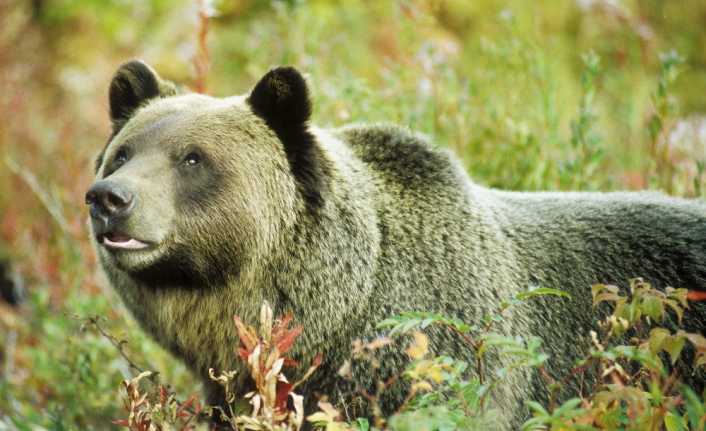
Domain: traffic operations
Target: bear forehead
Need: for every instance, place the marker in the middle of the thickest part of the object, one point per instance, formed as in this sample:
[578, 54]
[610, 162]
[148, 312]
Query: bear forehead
[191, 107]
[178, 116]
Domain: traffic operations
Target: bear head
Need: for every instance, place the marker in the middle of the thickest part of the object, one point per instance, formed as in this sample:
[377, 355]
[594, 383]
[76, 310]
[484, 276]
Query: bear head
[179, 167]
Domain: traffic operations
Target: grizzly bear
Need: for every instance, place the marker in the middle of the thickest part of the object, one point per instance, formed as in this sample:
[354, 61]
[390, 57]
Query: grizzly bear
[205, 207]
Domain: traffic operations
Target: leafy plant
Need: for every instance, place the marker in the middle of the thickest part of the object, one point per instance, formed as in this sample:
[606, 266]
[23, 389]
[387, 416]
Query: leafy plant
[634, 389]
[585, 141]
[662, 118]
[157, 410]
[264, 352]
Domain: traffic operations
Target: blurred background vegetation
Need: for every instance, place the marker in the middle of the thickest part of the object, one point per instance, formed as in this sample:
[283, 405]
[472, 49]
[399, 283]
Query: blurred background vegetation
[548, 94]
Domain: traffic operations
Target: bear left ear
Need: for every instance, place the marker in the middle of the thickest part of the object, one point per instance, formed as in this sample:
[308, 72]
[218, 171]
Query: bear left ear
[281, 98]
[133, 84]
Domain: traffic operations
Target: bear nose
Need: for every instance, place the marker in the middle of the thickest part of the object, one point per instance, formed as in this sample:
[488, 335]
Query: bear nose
[108, 199]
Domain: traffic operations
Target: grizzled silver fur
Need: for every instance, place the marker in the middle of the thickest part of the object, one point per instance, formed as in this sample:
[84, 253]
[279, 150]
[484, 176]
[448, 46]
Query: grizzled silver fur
[346, 227]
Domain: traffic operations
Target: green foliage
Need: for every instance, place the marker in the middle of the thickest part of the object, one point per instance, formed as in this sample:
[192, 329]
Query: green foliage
[643, 301]
[559, 418]
[408, 321]
[633, 388]
[661, 119]
[649, 396]
[413, 320]
[534, 292]
[585, 141]
[443, 395]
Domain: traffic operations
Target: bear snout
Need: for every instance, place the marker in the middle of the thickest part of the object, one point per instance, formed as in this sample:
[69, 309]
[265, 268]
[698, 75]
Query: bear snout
[109, 202]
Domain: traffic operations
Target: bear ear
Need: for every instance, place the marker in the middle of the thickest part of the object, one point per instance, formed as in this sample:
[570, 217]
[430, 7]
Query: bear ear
[133, 84]
[281, 98]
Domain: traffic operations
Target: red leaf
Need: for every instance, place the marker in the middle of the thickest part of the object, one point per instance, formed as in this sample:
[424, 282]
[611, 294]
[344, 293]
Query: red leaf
[286, 341]
[246, 334]
[244, 354]
[290, 363]
[283, 390]
[163, 395]
[122, 422]
[186, 405]
[696, 295]
[280, 329]
[282, 323]
[317, 360]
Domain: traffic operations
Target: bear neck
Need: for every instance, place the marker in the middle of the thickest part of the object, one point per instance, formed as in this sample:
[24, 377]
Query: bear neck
[320, 268]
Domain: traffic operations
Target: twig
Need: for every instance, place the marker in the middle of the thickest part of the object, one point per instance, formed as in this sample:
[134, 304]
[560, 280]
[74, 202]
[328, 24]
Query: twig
[475, 345]
[374, 402]
[10, 345]
[345, 407]
[118, 345]
[202, 58]
[410, 395]
[50, 203]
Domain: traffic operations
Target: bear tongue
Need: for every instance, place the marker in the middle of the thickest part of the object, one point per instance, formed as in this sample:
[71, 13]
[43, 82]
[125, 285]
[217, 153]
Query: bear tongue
[118, 240]
[118, 237]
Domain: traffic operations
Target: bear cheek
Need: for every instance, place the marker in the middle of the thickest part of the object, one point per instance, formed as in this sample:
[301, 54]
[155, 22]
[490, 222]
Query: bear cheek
[152, 217]
[155, 214]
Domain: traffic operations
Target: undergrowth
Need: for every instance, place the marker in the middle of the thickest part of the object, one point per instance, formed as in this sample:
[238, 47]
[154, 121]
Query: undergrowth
[630, 375]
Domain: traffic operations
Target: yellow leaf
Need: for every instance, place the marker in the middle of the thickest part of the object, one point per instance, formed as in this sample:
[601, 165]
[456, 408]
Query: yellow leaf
[421, 386]
[318, 417]
[419, 347]
[657, 337]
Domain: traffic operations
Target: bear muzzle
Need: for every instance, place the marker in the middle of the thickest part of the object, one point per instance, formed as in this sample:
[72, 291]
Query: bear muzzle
[109, 199]
[110, 204]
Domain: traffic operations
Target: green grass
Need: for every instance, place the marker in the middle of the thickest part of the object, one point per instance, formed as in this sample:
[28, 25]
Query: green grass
[530, 95]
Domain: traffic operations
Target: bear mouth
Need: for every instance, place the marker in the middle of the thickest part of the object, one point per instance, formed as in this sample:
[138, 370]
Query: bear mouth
[120, 241]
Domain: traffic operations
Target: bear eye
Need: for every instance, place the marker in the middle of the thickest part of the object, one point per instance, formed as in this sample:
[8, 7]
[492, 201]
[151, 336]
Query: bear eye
[192, 159]
[120, 156]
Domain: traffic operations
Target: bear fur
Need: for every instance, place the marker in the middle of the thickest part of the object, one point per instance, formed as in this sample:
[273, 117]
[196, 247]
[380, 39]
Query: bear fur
[240, 200]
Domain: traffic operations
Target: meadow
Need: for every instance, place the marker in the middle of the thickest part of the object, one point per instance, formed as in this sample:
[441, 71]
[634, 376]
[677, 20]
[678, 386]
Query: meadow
[544, 95]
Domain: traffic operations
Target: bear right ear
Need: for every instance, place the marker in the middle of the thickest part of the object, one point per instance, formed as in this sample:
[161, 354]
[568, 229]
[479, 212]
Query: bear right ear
[281, 98]
[133, 84]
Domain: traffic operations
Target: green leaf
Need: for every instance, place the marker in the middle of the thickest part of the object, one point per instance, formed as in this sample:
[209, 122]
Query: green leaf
[674, 422]
[655, 126]
[657, 337]
[569, 405]
[678, 294]
[387, 323]
[634, 312]
[653, 307]
[673, 346]
[604, 293]
[678, 310]
[537, 409]
[541, 291]
[362, 424]
[695, 407]
[426, 322]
